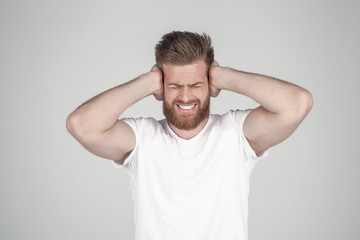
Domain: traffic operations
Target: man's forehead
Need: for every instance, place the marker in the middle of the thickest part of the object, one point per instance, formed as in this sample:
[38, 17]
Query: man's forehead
[197, 70]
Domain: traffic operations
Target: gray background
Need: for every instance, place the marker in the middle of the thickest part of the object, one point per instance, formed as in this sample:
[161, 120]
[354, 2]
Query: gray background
[54, 55]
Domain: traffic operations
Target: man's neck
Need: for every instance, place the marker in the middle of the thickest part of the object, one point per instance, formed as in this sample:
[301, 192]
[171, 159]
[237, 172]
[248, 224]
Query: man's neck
[188, 134]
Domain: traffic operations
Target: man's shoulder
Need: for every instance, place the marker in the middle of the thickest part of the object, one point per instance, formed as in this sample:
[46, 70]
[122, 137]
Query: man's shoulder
[231, 117]
[144, 123]
[231, 113]
[143, 120]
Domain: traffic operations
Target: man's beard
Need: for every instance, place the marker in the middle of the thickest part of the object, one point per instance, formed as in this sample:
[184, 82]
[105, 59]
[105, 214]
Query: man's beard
[183, 121]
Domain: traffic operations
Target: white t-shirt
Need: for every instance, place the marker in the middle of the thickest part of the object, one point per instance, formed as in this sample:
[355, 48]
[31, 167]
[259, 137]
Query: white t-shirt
[194, 189]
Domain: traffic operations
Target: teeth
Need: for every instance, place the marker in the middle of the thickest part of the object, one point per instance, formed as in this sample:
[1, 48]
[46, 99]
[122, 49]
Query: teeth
[186, 107]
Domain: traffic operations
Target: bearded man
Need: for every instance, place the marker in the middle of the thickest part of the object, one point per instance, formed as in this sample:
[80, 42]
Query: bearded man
[190, 172]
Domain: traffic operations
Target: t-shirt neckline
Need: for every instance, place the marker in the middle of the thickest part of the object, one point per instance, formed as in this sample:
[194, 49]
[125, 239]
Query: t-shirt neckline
[210, 119]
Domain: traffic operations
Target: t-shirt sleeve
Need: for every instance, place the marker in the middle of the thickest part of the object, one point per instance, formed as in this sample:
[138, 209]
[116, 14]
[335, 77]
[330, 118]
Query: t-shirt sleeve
[129, 162]
[239, 116]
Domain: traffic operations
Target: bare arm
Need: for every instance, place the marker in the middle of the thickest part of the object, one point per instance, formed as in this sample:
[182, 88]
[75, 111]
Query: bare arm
[95, 123]
[283, 105]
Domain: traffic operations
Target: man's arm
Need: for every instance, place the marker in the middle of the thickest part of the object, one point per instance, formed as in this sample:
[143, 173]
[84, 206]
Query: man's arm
[283, 105]
[95, 123]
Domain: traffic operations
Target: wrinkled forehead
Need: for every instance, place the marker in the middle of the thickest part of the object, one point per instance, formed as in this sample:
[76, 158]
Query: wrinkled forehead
[197, 71]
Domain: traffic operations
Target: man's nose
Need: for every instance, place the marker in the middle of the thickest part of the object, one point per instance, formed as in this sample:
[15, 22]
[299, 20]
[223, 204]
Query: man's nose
[185, 94]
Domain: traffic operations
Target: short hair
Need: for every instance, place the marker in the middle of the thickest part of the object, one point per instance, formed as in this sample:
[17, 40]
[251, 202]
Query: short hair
[182, 48]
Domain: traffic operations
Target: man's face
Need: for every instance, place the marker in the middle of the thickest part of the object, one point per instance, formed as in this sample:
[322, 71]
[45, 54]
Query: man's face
[186, 94]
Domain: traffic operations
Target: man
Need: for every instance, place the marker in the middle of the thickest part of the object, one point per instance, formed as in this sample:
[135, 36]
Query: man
[190, 172]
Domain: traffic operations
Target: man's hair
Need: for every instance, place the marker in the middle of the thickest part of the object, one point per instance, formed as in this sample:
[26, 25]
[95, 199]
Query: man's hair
[182, 48]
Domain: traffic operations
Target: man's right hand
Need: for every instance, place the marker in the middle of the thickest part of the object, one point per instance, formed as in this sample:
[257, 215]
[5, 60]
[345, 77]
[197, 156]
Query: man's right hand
[157, 76]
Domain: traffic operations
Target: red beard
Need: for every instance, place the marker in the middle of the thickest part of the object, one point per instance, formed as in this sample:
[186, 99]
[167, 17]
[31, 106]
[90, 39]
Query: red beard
[186, 122]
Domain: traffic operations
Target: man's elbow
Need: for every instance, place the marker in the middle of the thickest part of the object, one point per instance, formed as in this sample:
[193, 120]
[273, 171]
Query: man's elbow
[71, 124]
[304, 103]
[74, 126]
[307, 101]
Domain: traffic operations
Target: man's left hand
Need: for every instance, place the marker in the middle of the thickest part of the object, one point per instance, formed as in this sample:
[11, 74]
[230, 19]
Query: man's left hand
[213, 76]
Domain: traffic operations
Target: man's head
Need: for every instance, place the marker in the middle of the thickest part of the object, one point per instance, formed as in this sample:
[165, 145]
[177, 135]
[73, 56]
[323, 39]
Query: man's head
[184, 59]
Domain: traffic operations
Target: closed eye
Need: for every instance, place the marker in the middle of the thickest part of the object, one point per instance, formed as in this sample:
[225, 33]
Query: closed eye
[174, 86]
[196, 85]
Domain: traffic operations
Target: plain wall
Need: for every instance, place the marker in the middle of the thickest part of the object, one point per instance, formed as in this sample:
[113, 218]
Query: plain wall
[54, 55]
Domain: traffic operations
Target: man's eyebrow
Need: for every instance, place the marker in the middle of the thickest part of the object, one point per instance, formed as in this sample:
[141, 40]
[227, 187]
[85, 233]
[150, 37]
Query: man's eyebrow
[175, 84]
[197, 83]
[180, 85]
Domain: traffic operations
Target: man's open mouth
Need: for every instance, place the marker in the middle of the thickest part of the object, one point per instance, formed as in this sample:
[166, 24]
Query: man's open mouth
[186, 107]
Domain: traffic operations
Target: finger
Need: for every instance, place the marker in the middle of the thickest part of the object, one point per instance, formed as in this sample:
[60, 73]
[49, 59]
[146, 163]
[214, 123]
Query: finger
[215, 93]
[154, 68]
[158, 97]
